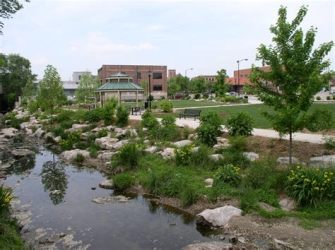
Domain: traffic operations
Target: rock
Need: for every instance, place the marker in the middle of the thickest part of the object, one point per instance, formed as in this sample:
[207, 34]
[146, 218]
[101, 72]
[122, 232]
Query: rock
[214, 245]
[132, 132]
[195, 149]
[283, 245]
[106, 156]
[287, 204]
[119, 144]
[39, 133]
[233, 239]
[168, 153]
[107, 184]
[251, 156]
[79, 126]
[322, 161]
[110, 128]
[191, 137]
[110, 199]
[8, 132]
[58, 139]
[183, 143]
[222, 140]
[151, 150]
[146, 141]
[266, 206]
[71, 155]
[286, 160]
[209, 182]
[215, 157]
[22, 152]
[106, 142]
[241, 240]
[218, 217]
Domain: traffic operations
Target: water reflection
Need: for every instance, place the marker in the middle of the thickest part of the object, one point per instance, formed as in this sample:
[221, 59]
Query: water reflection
[54, 180]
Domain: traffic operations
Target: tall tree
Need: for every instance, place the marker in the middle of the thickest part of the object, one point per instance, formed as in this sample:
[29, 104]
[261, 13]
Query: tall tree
[7, 9]
[221, 87]
[198, 85]
[50, 92]
[87, 85]
[295, 75]
[15, 74]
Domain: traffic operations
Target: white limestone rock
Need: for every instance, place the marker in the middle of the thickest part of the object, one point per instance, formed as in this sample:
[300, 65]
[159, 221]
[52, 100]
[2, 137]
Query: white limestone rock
[215, 157]
[151, 150]
[106, 142]
[71, 155]
[168, 153]
[218, 217]
[183, 143]
[322, 161]
[251, 156]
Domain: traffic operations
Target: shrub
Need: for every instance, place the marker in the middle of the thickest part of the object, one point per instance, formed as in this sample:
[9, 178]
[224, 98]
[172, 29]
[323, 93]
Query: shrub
[328, 98]
[234, 153]
[319, 120]
[333, 97]
[128, 156]
[169, 130]
[79, 158]
[149, 121]
[205, 96]
[261, 175]
[318, 98]
[12, 120]
[59, 131]
[93, 149]
[197, 96]
[94, 115]
[239, 124]
[122, 181]
[64, 115]
[330, 143]
[70, 140]
[5, 199]
[228, 174]
[200, 157]
[184, 155]
[122, 116]
[209, 128]
[108, 111]
[310, 186]
[32, 106]
[166, 106]
[102, 133]
[189, 195]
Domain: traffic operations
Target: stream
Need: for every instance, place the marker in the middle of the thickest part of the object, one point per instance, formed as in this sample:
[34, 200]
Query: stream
[54, 205]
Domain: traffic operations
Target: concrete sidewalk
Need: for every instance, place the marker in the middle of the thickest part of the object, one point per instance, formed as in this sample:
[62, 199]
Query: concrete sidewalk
[302, 137]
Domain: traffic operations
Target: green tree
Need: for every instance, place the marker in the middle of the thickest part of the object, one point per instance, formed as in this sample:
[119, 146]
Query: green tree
[198, 85]
[50, 92]
[295, 75]
[87, 85]
[7, 9]
[221, 87]
[15, 74]
[173, 87]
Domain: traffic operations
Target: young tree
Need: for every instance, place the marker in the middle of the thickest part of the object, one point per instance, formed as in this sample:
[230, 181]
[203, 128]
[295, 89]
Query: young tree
[295, 75]
[220, 86]
[50, 92]
[7, 9]
[198, 85]
[87, 85]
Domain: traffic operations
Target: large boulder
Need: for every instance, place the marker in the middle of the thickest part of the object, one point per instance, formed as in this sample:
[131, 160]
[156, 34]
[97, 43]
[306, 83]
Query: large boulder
[39, 133]
[168, 153]
[215, 157]
[120, 144]
[214, 245]
[151, 150]
[107, 184]
[110, 199]
[183, 143]
[322, 161]
[71, 155]
[8, 132]
[106, 142]
[251, 156]
[22, 152]
[106, 156]
[218, 217]
[287, 204]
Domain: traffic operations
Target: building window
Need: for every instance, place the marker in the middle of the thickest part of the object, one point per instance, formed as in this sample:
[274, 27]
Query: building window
[157, 87]
[157, 75]
[139, 75]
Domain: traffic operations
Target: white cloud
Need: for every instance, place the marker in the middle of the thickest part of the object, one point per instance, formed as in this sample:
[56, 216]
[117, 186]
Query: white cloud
[96, 44]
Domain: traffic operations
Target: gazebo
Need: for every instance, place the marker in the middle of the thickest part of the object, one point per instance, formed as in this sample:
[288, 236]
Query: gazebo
[121, 87]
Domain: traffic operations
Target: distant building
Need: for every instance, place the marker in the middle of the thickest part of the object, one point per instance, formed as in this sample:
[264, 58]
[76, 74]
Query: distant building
[139, 73]
[172, 73]
[208, 78]
[71, 86]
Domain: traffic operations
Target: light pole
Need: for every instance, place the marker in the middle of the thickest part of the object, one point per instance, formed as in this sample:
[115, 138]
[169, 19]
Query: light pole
[238, 73]
[149, 92]
[187, 70]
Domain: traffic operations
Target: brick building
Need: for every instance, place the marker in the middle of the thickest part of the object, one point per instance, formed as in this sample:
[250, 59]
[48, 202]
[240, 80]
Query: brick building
[208, 78]
[172, 73]
[139, 73]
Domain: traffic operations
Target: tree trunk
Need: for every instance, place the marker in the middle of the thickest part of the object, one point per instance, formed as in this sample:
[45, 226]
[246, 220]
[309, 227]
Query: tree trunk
[290, 149]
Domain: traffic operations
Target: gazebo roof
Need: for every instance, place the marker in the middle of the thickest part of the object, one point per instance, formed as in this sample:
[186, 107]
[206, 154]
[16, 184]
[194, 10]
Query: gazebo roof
[115, 86]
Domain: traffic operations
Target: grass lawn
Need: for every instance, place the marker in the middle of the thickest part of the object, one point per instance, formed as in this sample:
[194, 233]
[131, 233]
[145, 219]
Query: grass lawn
[192, 103]
[255, 111]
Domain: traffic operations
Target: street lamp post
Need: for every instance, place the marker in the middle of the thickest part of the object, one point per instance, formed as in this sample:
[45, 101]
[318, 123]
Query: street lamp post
[149, 92]
[238, 73]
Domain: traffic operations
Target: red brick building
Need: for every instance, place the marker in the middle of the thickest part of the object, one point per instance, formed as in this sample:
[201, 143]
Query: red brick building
[140, 73]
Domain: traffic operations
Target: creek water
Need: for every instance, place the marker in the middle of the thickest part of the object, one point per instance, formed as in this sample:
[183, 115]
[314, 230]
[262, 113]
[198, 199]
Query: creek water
[59, 199]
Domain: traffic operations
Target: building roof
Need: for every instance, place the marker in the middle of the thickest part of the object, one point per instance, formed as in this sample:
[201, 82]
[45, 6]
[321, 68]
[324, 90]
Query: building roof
[114, 86]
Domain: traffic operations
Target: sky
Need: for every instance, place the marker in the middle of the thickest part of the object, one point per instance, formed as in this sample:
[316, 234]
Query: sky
[206, 35]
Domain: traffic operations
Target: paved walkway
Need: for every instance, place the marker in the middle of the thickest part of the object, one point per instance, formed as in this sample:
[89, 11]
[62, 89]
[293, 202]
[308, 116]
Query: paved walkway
[214, 106]
[302, 137]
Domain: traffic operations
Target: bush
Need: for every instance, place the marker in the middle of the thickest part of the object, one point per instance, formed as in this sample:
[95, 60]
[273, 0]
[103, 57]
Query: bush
[228, 174]
[200, 157]
[234, 153]
[184, 155]
[330, 143]
[239, 124]
[93, 149]
[149, 121]
[319, 120]
[333, 97]
[64, 115]
[122, 181]
[94, 115]
[108, 111]
[102, 133]
[197, 96]
[70, 140]
[261, 175]
[311, 186]
[169, 130]
[32, 106]
[209, 128]
[318, 98]
[12, 120]
[205, 96]
[189, 195]
[128, 156]
[122, 116]
[166, 106]
[79, 158]
[5, 199]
